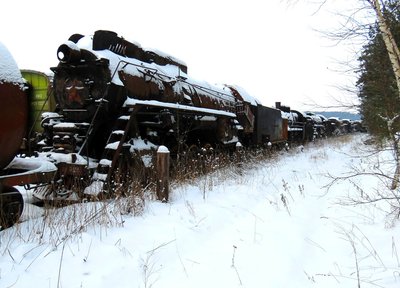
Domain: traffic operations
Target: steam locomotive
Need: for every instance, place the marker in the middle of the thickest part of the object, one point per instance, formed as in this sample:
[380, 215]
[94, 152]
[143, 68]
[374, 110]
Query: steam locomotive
[115, 99]
[103, 77]
[113, 95]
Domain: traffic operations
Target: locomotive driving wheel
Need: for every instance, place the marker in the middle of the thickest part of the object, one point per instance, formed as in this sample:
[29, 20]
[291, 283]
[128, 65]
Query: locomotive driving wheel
[11, 206]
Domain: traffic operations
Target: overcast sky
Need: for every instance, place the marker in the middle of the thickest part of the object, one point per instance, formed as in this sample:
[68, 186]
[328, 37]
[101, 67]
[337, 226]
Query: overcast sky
[266, 47]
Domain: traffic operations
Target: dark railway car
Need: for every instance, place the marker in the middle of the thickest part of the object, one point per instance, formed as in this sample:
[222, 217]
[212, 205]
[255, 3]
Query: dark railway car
[346, 126]
[333, 126]
[270, 128]
[306, 124]
[300, 127]
[318, 122]
[260, 124]
[358, 126]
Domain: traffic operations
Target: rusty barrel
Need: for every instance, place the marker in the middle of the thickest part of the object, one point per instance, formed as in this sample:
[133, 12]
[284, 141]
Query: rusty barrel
[13, 107]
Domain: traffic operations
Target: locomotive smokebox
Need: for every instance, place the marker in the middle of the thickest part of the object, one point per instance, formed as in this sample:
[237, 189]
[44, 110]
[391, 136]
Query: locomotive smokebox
[69, 53]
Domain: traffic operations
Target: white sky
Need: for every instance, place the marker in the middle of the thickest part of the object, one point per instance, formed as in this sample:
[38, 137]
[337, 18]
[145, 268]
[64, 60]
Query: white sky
[266, 47]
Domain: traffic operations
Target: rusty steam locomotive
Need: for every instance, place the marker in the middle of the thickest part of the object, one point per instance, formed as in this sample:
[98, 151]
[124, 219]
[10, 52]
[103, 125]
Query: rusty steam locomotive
[113, 97]
[103, 77]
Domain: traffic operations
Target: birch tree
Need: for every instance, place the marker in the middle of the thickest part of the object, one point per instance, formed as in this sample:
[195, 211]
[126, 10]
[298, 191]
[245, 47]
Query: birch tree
[390, 43]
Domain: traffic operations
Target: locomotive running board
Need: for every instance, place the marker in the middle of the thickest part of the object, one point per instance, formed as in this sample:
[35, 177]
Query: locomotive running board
[130, 103]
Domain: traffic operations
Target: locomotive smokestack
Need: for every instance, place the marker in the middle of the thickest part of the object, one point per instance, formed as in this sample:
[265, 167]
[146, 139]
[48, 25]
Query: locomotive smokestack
[278, 105]
[69, 52]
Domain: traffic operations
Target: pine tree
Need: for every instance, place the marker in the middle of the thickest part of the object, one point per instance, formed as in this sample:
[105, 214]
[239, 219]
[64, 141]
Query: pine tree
[378, 90]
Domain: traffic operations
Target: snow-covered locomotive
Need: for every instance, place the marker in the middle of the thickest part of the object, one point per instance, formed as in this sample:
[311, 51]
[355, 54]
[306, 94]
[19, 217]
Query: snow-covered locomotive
[103, 77]
[112, 95]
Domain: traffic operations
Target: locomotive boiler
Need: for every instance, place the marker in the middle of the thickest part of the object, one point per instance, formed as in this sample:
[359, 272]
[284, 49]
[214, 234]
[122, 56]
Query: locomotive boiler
[112, 95]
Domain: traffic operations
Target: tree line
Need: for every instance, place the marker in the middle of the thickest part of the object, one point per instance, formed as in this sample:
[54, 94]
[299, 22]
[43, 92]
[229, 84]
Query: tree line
[377, 87]
[379, 78]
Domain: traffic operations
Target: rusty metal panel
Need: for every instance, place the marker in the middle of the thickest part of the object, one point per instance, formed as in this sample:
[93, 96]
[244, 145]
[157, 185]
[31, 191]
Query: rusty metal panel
[285, 129]
[13, 121]
[27, 178]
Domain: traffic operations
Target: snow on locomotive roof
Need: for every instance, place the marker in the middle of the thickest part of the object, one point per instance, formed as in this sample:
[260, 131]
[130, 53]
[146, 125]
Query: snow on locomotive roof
[162, 54]
[117, 62]
[9, 72]
[216, 90]
[246, 96]
[173, 72]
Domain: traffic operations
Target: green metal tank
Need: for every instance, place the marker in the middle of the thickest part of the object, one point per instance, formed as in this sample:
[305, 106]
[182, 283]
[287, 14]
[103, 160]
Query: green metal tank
[40, 98]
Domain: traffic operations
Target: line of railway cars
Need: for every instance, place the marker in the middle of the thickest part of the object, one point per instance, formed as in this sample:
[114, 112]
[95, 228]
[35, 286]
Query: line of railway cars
[112, 98]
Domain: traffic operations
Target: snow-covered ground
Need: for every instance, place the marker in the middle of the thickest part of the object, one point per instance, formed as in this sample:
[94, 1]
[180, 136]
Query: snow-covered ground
[271, 226]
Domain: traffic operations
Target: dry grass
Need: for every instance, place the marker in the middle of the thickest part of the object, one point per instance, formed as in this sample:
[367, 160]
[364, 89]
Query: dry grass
[186, 169]
[134, 184]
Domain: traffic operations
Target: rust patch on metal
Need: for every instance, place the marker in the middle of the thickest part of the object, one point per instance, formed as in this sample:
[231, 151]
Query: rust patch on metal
[13, 121]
